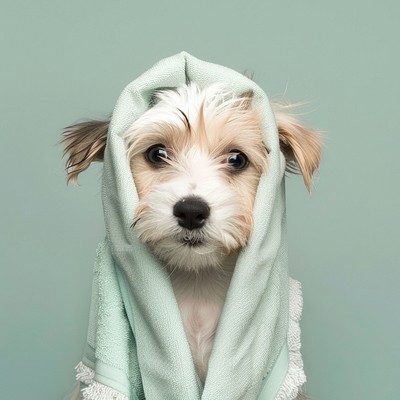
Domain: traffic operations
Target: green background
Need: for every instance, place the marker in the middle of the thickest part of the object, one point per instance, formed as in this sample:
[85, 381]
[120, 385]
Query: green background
[62, 61]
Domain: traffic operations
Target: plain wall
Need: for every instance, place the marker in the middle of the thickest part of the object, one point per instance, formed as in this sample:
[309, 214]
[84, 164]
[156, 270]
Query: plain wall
[64, 61]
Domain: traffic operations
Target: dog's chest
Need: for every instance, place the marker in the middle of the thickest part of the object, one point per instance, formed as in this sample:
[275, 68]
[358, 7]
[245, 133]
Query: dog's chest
[200, 297]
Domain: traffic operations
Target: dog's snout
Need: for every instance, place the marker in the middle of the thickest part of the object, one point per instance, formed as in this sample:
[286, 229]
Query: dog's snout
[191, 212]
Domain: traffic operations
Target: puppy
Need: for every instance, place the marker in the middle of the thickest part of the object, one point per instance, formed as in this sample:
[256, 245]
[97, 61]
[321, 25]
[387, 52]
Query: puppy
[196, 158]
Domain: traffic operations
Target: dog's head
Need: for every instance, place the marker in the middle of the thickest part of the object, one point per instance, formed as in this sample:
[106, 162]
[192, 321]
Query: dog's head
[196, 158]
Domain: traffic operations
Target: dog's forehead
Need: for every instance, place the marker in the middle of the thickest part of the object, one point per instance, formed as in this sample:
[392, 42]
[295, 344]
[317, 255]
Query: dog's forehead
[212, 120]
[211, 117]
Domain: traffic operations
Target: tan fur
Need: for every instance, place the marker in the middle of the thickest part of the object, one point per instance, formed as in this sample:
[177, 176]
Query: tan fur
[301, 145]
[84, 142]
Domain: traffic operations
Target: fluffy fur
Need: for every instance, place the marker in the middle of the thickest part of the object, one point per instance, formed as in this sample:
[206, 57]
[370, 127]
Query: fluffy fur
[199, 130]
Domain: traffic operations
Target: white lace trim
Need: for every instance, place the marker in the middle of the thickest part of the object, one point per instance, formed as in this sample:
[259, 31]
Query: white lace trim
[295, 376]
[84, 374]
[95, 390]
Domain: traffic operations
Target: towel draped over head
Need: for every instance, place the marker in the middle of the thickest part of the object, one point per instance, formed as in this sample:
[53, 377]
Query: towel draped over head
[136, 345]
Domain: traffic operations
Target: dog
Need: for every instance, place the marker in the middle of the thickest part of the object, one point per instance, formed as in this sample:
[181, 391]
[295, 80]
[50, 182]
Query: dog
[196, 158]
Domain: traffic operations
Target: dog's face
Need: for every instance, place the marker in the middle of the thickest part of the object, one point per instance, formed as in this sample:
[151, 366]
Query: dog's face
[196, 159]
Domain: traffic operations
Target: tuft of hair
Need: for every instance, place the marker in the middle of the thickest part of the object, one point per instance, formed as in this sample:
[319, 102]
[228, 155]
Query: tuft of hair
[300, 145]
[302, 396]
[84, 142]
[248, 74]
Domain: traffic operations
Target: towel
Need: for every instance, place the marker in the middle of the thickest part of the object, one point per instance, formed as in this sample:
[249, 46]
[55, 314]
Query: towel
[136, 345]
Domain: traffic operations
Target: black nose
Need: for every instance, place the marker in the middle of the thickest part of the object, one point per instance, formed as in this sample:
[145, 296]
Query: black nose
[191, 212]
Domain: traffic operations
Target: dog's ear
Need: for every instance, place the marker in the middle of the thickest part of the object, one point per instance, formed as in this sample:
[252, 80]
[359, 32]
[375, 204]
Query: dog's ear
[300, 145]
[83, 143]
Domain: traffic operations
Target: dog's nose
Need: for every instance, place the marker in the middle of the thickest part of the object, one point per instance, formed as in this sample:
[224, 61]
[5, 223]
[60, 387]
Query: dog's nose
[191, 212]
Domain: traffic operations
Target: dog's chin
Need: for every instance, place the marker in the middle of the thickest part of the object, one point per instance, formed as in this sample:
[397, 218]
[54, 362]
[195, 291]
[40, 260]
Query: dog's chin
[188, 253]
[191, 241]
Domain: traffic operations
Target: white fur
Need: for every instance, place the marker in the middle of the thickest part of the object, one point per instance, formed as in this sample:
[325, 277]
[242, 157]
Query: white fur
[195, 176]
[200, 298]
[189, 98]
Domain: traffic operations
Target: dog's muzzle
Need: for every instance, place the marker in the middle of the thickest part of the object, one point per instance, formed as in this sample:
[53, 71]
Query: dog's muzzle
[191, 212]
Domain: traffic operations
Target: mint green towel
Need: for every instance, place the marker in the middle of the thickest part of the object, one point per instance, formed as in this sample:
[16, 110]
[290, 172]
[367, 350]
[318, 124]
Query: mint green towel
[136, 345]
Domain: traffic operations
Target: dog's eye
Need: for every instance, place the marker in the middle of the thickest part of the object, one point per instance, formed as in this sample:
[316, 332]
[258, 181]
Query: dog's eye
[156, 155]
[237, 160]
